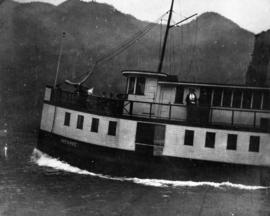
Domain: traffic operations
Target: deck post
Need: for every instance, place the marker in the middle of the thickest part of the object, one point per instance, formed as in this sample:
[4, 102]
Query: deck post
[232, 117]
[170, 111]
[150, 114]
[131, 108]
[254, 121]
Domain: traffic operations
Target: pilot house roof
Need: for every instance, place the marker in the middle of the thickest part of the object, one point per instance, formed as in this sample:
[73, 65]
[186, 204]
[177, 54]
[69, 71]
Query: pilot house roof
[143, 73]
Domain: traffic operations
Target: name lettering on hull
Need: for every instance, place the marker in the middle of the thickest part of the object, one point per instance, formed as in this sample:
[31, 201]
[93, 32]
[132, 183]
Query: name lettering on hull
[69, 142]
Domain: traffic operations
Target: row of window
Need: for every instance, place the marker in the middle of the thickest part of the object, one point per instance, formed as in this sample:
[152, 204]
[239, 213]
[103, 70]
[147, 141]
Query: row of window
[210, 138]
[236, 98]
[94, 126]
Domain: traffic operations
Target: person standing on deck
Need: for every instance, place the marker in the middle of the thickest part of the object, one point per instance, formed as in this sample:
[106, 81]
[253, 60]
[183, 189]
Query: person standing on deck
[191, 101]
[191, 98]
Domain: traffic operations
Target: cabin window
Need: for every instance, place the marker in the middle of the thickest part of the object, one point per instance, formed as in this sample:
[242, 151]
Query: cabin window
[266, 100]
[237, 97]
[67, 119]
[254, 144]
[227, 97]
[80, 122]
[94, 126]
[210, 140]
[112, 128]
[205, 96]
[257, 100]
[217, 97]
[189, 137]
[131, 85]
[140, 86]
[247, 95]
[232, 142]
[179, 95]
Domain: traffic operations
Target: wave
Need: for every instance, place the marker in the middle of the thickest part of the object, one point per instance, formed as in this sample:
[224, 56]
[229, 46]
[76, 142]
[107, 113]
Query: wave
[45, 160]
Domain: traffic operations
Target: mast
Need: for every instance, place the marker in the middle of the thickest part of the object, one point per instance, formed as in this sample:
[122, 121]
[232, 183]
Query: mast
[165, 39]
[59, 60]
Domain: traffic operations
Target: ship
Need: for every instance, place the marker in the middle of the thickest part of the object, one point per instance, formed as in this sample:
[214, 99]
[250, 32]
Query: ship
[162, 128]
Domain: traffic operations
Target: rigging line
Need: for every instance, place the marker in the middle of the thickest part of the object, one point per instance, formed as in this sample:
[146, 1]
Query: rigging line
[173, 50]
[160, 36]
[120, 49]
[134, 38]
[196, 42]
[126, 44]
[171, 57]
[109, 56]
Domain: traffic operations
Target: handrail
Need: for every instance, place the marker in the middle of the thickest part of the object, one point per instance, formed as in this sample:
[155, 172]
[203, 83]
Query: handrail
[124, 107]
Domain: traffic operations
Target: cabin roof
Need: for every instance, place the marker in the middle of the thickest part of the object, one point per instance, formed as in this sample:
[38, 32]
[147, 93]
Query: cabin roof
[198, 84]
[143, 73]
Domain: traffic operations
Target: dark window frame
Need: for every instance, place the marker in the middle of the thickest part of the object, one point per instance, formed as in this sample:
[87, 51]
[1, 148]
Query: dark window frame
[254, 144]
[140, 85]
[257, 100]
[247, 99]
[95, 125]
[217, 97]
[112, 128]
[80, 121]
[266, 100]
[131, 85]
[67, 118]
[210, 139]
[189, 138]
[232, 142]
[227, 97]
[179, 95]
[237, 97]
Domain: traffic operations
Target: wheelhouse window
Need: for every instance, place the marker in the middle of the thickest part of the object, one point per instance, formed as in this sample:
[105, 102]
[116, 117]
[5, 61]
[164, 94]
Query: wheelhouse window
[205, 96]
[67, 119]
[217, 97]
[94, 126]
[247, 95]
[179, 95]
[131, 85]
[189, 137]
[112, 128]
[136, 85]
[232, 142]
[210, 139]
[254, 144]
[140, 86]
[80, 122]
[237, 97]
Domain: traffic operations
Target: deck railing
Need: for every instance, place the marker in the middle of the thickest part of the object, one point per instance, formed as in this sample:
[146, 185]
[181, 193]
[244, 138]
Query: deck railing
[200, 115]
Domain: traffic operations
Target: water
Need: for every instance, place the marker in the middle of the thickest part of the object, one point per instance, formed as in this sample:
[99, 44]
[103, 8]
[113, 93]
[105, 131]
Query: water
[32, 183]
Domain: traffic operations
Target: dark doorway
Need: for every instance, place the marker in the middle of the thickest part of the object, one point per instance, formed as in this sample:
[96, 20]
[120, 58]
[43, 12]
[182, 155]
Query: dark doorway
[150, 138]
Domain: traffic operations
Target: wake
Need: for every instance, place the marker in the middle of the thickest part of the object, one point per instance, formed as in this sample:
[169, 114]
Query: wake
[45, 160]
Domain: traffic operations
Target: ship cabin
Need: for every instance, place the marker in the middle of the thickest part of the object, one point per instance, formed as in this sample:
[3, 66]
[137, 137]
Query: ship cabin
[159, 97]
[162, 97]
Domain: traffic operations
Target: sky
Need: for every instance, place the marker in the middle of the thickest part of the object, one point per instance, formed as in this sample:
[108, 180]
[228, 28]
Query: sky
[253, 15]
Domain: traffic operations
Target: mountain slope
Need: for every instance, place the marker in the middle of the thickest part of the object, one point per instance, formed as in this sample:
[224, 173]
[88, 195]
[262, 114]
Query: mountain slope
[208, 49]
[258, 73]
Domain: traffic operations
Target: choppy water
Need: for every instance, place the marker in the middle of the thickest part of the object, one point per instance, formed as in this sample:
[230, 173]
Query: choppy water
[32, 183]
